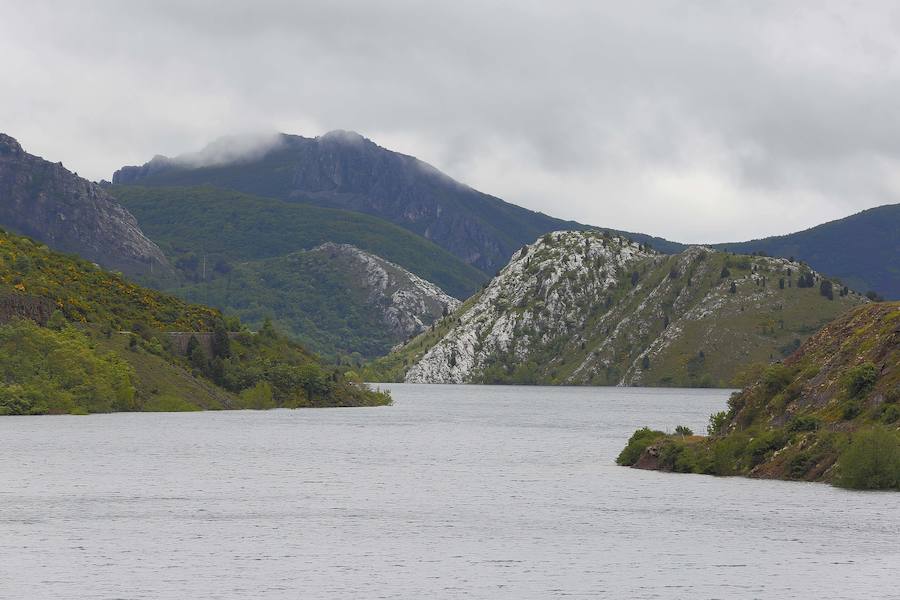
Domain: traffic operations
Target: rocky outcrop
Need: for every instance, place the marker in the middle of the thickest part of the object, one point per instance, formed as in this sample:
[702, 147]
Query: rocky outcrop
[592, 308]
[45, 201]
[407, 303]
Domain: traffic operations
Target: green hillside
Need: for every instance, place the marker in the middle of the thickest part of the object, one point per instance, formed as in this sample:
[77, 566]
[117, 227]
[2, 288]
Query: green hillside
[228, 227]
[862, 250]
[345, 170]
[340, 302]
[588, 308]
[75, 338]
[830, 412]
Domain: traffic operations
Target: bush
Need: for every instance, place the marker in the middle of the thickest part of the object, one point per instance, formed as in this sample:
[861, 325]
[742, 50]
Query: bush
[803, 423]
[851, 410]
[861, 379]
[717, 423]
[683, 431]
[637, 443]
[46, 371]
[776, 378]
[871, 461]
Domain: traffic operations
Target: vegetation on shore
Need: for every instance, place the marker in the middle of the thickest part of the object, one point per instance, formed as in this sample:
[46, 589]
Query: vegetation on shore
[77, 339]
[830, 412]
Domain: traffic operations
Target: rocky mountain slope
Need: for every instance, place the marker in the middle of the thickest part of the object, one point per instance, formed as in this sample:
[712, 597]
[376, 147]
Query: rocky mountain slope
[829, 412]
[863, 250]
[592, 308]
[337, 299]
[49, 203]
[345, 170]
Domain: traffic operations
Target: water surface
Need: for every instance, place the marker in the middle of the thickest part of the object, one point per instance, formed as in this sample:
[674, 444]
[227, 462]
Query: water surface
[453, 492]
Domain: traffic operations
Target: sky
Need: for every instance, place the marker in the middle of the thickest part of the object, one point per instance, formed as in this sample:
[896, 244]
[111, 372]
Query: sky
[698, 121]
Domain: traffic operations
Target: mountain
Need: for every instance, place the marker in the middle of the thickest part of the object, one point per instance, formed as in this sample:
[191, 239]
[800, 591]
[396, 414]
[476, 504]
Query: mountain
[49, 203]
[335, 298]
[592, 308]
[829, 412]
[227, 227]
[76, 338]
[345, 170]
[862, 249]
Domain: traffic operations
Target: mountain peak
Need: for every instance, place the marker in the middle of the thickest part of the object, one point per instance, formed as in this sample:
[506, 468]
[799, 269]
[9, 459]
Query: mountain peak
[9, 145]
[344, 136]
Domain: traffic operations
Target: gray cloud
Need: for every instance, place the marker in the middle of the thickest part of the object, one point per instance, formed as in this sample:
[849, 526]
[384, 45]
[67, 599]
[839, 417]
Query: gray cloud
[695, 120]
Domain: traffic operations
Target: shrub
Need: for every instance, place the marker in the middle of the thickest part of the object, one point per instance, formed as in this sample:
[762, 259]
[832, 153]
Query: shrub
[776, 378]
[871, 461]
[683, 431]
[889, 413]
[851, 410]
[637, 443]
[803, 423]
[717, 423]
[861, 379]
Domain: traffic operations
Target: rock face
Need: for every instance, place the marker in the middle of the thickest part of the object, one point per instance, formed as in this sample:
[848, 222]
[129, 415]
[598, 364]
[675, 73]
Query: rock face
[407, 303]
[591, 308]
[345, 170]
[47, 202]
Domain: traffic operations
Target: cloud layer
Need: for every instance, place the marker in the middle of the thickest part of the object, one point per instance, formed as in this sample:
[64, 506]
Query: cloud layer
[694, 120]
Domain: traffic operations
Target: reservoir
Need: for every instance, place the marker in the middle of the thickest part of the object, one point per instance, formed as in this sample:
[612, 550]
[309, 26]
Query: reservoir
[453, 492]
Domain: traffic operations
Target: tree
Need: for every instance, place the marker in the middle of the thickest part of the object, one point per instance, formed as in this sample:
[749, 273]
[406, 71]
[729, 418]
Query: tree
[57, 321]
[196, 356]
[733, 289]
[267, 330]
[725, 273]
[221, 343]
[871, 461]
[683, 431]
[645, 362]
[781, 283]
[635, 276]
[826, 289]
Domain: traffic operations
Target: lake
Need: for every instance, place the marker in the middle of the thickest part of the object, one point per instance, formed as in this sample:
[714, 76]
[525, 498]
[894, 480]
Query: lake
[453, 492]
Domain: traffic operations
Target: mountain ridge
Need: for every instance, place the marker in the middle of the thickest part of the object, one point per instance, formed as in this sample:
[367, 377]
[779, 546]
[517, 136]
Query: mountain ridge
[346, 170]
[49, 203]
[860, 249]
[591, 308]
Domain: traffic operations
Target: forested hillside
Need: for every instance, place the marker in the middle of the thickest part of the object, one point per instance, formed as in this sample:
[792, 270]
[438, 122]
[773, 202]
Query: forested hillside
[76, 338]
[862, 250]
[345, 170]
[206, 231]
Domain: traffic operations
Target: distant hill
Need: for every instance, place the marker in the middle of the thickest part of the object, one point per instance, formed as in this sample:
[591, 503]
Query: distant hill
[76, 338]
[863, 250]
[336, 299]
[223, 228]
[593, 309]
[345, 170]
[830, 412]
[44, 200]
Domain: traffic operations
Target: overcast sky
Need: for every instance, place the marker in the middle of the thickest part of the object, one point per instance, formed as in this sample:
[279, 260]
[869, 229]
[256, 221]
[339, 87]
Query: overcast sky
[692, 120]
